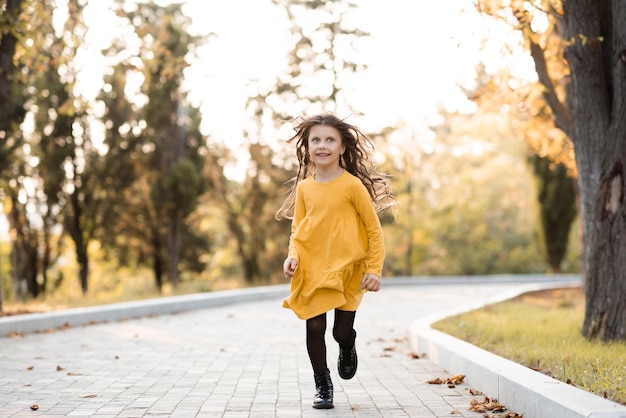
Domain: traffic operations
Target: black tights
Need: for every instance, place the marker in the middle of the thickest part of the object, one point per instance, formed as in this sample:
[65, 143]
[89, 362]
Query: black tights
[343, 333]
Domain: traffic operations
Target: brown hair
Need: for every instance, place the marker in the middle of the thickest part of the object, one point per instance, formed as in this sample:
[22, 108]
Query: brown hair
[356, 159]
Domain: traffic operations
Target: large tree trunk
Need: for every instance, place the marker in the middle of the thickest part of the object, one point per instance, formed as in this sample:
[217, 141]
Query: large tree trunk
[597, 59]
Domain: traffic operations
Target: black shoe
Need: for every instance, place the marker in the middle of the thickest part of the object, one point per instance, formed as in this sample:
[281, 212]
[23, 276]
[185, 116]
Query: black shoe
[347, 363]
[323, 398]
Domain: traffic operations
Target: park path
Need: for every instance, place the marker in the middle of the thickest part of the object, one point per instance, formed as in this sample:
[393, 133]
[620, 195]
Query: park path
[241, 360]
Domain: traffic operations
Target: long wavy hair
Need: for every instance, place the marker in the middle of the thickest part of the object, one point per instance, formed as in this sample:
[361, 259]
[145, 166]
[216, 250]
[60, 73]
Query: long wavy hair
[357, 160]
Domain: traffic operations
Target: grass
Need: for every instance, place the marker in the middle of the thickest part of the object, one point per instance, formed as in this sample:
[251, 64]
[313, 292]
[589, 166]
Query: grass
[112, 286]
[542, 331]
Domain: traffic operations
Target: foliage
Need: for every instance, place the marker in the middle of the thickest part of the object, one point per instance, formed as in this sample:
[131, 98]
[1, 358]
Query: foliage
[316, 69]
[165, 131]
[550, 150]
[465, 200]
[544, 120]
[138, 187]
[553, 344]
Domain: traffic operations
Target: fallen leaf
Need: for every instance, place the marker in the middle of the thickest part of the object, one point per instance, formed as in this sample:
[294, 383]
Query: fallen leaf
[475, 392]
[30, 367]
[455, 411]
[34, 407]
[59, 368]
[89, 396]
[457, 379]
[74, 374]
[454, 380]
[487, 404]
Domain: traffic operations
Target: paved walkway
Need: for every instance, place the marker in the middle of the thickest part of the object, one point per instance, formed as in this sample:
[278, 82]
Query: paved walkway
[242, 360]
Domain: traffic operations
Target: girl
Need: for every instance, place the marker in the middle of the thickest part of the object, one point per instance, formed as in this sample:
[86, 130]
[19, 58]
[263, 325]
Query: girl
[336, 249]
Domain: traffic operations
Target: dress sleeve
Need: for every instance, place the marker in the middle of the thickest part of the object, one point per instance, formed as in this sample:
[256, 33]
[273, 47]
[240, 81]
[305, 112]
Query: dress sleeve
[375, 240]
[298, 215]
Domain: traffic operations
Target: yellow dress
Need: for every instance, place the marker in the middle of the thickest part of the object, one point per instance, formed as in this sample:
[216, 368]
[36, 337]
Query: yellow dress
[336, 237]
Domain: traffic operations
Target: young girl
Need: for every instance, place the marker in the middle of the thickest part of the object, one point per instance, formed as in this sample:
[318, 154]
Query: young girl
[336, 249]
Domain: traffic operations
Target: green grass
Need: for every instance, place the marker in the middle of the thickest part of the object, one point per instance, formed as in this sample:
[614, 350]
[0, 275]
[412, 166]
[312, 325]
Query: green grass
[113, 286]
[543, 331]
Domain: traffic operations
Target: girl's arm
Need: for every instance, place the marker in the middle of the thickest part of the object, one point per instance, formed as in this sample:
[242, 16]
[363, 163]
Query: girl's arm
[376, 246]
[291, 263]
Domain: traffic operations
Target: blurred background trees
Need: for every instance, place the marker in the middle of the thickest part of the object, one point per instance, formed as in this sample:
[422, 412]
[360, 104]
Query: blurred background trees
[126, 193]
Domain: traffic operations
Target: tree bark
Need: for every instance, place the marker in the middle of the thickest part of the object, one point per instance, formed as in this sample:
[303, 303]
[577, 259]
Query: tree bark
[11, 110]
[81, 242]
[174, 246]
[597, 60]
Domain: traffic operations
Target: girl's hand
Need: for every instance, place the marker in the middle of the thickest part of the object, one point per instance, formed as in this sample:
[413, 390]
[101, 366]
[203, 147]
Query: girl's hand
[370, 282]
[289, 267]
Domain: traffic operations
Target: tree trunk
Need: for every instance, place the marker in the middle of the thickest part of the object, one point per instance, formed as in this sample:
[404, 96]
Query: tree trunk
[11, 109]
[80, 242]
[83, 268]
[597, 59]
[556, 197]
[174, 245]
[157, 260]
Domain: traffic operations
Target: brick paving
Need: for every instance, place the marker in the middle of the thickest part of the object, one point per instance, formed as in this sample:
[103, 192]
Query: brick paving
[242, 360]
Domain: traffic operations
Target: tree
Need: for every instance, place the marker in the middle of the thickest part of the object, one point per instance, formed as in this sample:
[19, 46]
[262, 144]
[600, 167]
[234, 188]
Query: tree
[550, 155]
[592, 114]
[556, 195]
[596, 56]
[249, 214]
[12, 111]
[167, 129]
[318, 67]
[36, 174]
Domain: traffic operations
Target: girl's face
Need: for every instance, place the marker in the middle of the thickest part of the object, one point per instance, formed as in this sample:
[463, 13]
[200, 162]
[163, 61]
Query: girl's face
[325, 146]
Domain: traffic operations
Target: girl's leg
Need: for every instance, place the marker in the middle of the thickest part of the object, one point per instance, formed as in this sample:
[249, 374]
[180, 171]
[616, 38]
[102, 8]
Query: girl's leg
[343, 330]
[316, 343]
[316, 346]
[345, 335]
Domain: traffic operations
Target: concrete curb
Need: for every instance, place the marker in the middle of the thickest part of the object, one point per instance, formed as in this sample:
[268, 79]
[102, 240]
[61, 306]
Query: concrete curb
[38, 322]
[521, 389]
